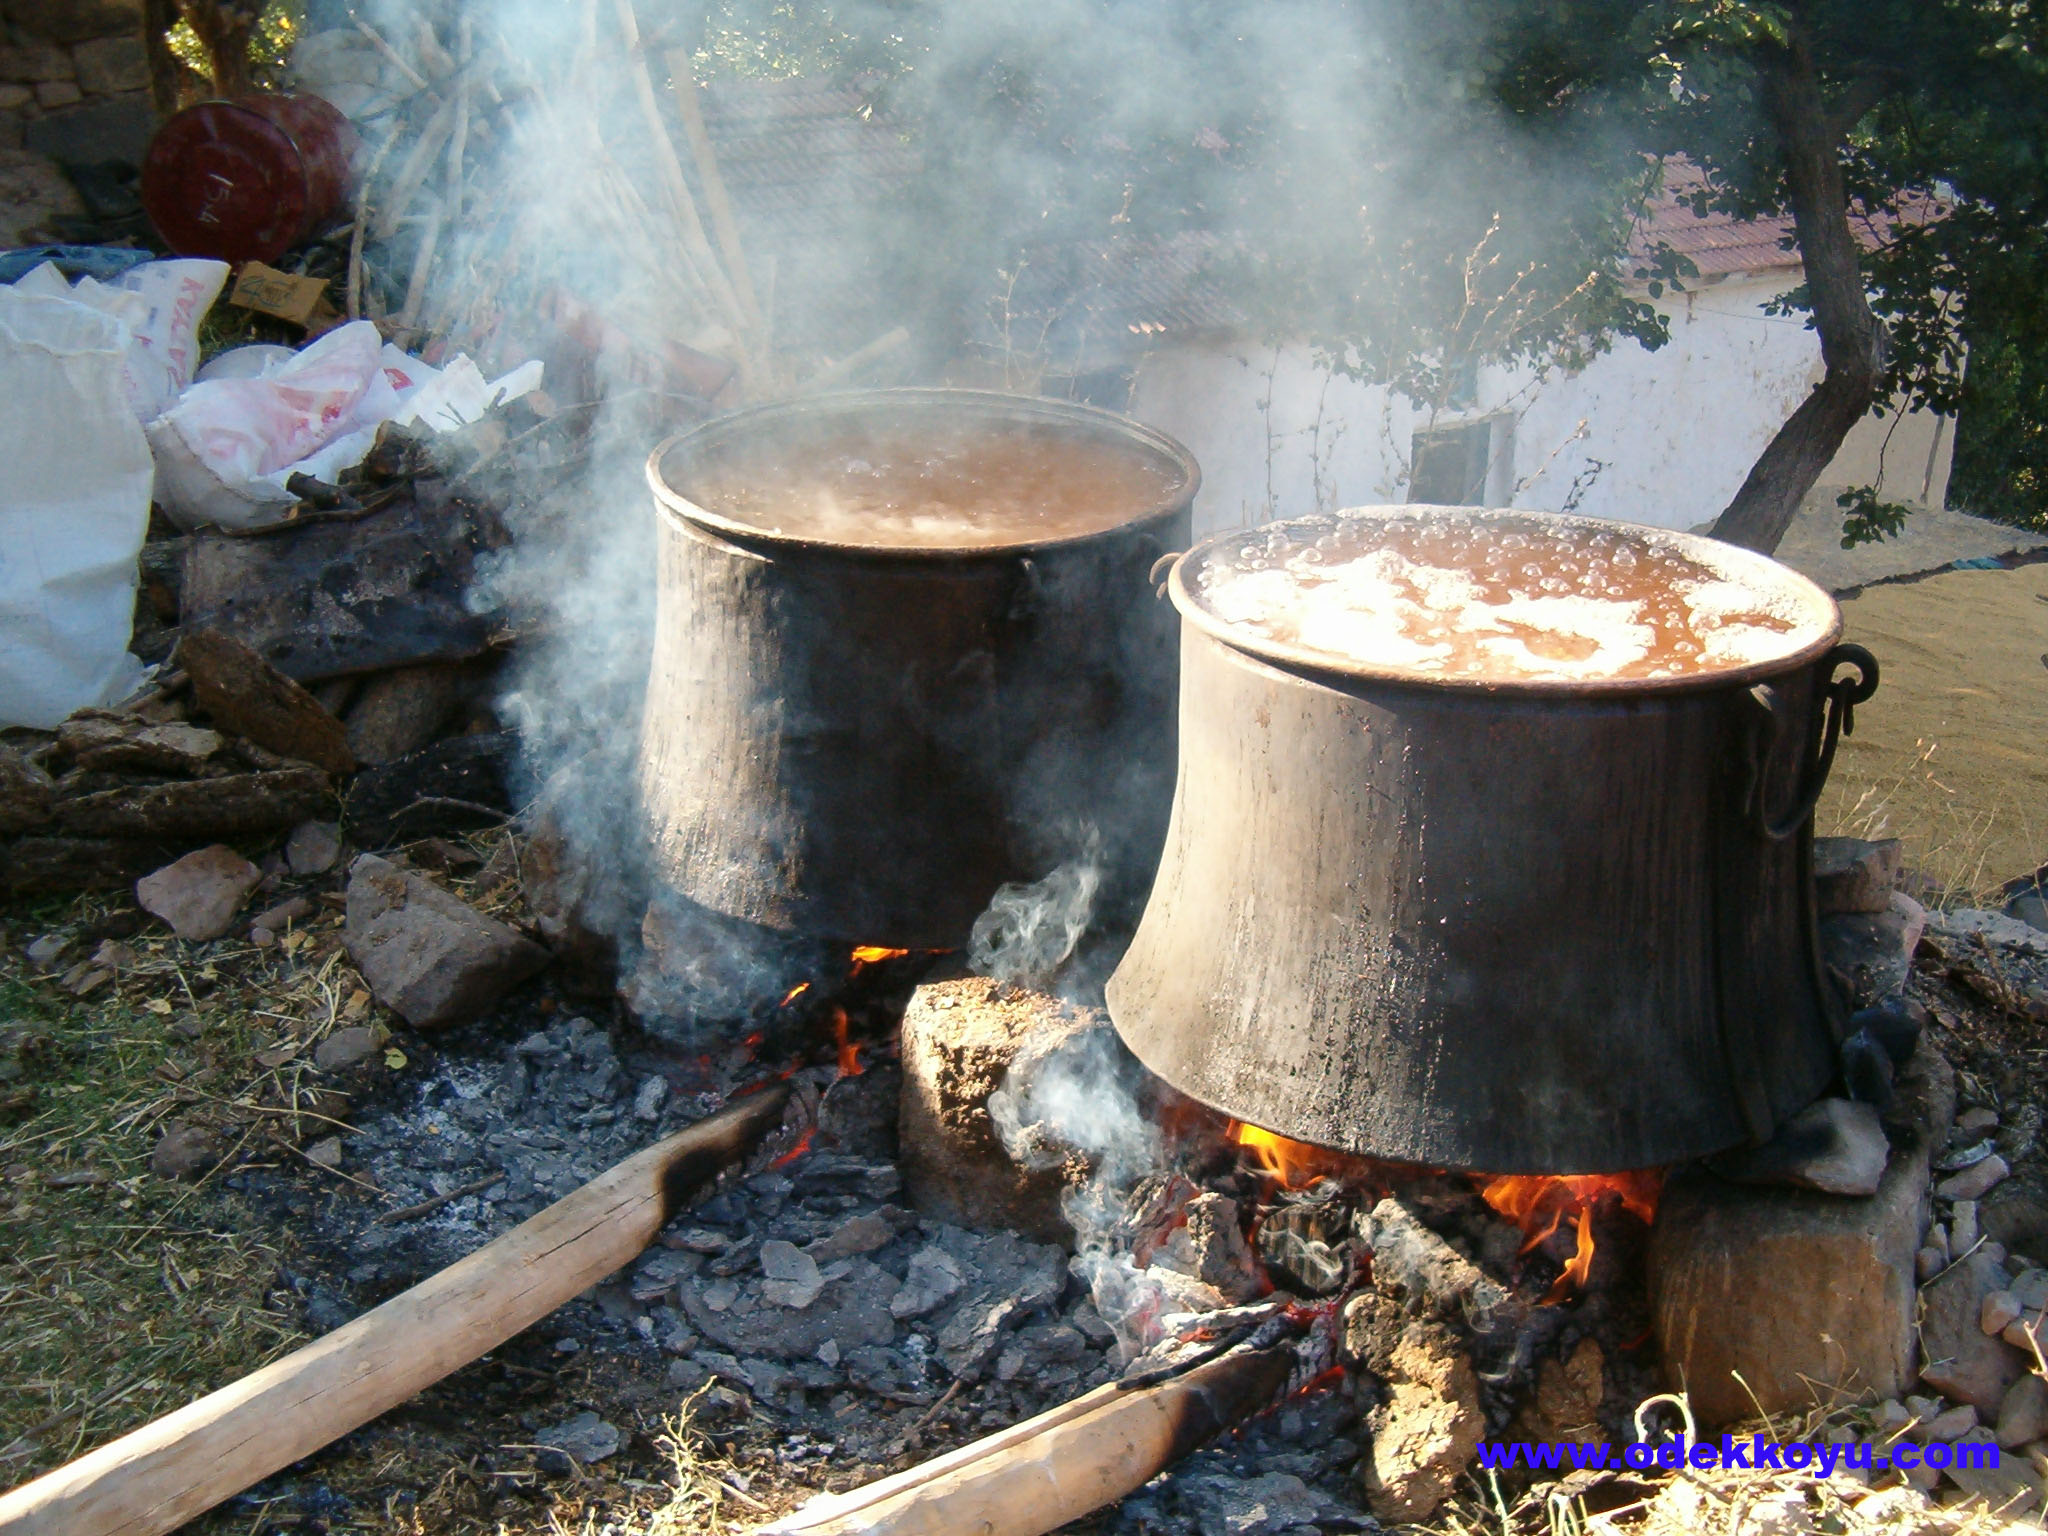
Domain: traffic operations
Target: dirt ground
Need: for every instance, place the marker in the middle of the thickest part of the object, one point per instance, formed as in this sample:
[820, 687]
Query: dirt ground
[1952, 753]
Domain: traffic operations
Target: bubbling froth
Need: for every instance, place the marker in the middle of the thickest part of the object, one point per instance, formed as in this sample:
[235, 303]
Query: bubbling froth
[1503, 597]
[935, 486]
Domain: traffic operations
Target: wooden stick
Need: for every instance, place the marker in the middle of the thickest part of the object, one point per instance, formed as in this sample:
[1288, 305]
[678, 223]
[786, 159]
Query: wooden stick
[683, 82]
[1047, 1471]
[834, 374]
[169, 1471]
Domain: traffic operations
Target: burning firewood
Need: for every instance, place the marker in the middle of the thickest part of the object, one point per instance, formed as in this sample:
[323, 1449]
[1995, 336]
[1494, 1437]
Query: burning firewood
[167, 1472]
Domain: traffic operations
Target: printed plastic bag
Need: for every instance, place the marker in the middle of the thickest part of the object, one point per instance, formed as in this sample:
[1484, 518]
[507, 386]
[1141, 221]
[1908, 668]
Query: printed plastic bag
[225, 449]
[74, 506]
[161, 303]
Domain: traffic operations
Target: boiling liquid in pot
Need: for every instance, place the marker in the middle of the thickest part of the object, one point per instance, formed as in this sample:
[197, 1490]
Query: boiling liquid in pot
[989, 485]
[1497, 599]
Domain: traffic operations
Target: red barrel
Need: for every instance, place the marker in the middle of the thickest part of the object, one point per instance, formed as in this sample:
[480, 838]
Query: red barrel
[246, 180]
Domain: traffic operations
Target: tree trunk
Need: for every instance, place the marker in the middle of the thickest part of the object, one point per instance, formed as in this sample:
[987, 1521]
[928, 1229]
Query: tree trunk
[1852, 343]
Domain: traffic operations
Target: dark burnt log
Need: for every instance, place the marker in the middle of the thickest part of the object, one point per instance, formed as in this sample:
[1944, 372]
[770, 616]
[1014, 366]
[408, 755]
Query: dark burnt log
[458, 785]
[189, 811]
[43, 866]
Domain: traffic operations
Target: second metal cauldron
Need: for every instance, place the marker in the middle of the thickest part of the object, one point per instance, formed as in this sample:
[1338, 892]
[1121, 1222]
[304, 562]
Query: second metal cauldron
[1561, 928]
[844, 739]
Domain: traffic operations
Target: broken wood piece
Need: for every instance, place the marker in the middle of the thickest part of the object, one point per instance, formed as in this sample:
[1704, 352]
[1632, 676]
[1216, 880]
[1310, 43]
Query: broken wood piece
[1038, 1475]
[683, 82]
[169, 1471]
[245, 694]
[832, 375]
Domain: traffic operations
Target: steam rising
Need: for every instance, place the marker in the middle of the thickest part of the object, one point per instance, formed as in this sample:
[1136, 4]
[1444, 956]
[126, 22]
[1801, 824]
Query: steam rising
[1030, 929]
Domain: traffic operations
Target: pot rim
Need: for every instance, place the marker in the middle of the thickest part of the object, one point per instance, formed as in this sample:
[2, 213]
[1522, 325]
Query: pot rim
[674, 504]
[1743, 562]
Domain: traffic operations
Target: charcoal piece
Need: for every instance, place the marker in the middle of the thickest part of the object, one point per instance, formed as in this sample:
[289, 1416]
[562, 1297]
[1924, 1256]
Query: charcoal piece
[348, 594]
[453, 786]
[189, 811]
[1895, 1024]
[1306, 1244]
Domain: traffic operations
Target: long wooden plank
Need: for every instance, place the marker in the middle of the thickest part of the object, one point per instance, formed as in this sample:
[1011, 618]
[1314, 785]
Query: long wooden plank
[161, 1475]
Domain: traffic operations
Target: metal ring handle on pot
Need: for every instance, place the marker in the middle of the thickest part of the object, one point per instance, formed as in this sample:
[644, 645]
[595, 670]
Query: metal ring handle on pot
[1837, 702]
[1161, 569]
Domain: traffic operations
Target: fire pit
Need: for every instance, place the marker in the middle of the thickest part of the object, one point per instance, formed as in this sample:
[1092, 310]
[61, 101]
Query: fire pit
[906, 651]
[1492, 842]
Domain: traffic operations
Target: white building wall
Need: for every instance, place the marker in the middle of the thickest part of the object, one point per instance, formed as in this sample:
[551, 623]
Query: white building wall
[1661, 437]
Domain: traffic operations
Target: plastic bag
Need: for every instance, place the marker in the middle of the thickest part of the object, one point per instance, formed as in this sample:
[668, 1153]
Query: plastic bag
[161, 304]
[74, 506]
[225, 449]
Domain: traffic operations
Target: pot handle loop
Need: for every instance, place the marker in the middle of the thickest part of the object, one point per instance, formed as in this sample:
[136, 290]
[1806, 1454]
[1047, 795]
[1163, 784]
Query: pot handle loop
[1838, 700]
[1161, 568]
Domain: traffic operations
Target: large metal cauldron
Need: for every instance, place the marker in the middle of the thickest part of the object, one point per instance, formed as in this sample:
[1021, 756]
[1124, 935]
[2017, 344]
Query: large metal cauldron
[857, 741]
[1535, 928]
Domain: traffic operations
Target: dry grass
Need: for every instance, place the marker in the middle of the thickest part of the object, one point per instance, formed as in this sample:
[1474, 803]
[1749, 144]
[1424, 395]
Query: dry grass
[1964, 842]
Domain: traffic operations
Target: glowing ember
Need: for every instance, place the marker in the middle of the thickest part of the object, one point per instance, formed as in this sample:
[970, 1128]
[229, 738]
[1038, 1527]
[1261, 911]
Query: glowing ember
[1539, 1204]
[868, 954]
[849, 1050]
[796, 1151]
[795, 992]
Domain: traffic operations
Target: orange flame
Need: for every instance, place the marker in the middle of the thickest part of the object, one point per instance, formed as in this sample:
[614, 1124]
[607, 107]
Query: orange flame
[1290, 1164]
[868, 954]
[1539, 1204]
[794, 993]
[849, 1049]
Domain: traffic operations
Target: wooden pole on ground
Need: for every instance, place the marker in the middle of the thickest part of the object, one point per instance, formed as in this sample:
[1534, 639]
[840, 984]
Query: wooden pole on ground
[168, 1471]
[1039, 1475]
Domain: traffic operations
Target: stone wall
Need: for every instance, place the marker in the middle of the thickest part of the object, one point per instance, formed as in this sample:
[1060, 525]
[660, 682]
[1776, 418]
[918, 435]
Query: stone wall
[74, 79]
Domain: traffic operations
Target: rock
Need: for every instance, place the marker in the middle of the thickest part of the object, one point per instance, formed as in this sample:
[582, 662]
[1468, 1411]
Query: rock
[647, 1101]
[584, 1439]
[199, 895]
[346, 1048]
[794, 1279]
[1867, 1069]
[584, 884]
[401, 711]
[1959, 1360]
[187, 810]
[44, 953]
[293, 909]
[1962, 1227]
[959, 1039]
[76, 21]
[1998, 1310]
[1836, 1146]
[1947, 1425]
[1789, 1289]
[1851, 875]
[2022, 1333]
[35, 194]
[184, 1151]
[313, 848]
[2030, 1287]
[2023, 1412]
[1426, 1432]
[1979, 1120]
[431, 958]
[1975, 1181]
[325, 1153]
[857, 1235]
[1961, 926]
[25, 793]
[1896, 1024]
[1928, 1262]
[107, 66]
[245, 694]
[933, 1280]
[2010, 1488]
[971, 1340]
[455, 785]
[2030, 907]
[1873, 952]
[1209, 1245]
[1566, 1405]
